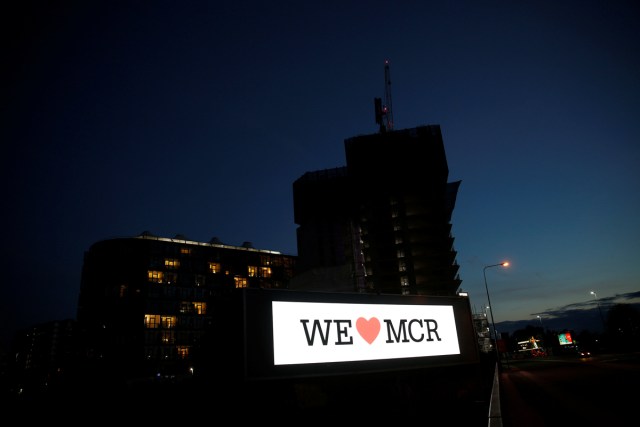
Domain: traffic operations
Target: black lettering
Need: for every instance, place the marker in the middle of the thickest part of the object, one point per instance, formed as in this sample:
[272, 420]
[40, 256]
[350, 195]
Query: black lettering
[411, 333]
[324, 337]
[433, 329]
[401, 331]
[342, 331]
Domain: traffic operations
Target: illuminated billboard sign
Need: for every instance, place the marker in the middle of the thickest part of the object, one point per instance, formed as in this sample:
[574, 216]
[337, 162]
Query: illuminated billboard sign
[307, 332]
[294, 333]
[565, 338]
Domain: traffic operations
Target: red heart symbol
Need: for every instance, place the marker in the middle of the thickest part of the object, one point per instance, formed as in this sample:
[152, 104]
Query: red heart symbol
[368, 329]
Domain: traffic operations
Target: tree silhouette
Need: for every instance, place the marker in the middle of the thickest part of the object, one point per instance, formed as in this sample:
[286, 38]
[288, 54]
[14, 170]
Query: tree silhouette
[623, 327]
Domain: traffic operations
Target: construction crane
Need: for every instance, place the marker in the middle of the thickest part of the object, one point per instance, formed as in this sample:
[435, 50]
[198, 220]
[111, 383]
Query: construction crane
[384, 112]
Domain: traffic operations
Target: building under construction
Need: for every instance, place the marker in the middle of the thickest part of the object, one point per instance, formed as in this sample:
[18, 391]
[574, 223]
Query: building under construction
[382, 223]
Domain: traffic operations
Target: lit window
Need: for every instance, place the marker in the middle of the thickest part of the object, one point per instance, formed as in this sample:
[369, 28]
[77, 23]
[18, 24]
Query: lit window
[400, 253]
[404, 281]
[200, 307]
[185, 251]
[265, 271]
[152, 321]
[402, 265]
[168, 322]
[265, 260]
[186, 307]
[183, 351]
[241, 282]
[398, 240]
[252, 270]
[171, 263]
[214, 267]
[156, 276]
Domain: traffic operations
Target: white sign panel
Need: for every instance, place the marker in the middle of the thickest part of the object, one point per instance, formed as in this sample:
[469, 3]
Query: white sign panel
[310, 332]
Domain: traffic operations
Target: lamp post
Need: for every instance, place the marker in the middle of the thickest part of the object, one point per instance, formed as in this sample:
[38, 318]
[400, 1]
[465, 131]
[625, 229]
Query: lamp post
[493, 324]
[595, 296]
[542, 336]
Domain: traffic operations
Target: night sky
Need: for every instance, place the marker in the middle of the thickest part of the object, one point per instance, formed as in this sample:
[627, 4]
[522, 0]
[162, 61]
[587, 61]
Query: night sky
[196, 117]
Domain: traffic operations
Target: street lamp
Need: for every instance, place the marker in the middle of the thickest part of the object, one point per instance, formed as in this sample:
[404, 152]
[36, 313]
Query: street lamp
[542, 336]
[595, 296]
[493, 324]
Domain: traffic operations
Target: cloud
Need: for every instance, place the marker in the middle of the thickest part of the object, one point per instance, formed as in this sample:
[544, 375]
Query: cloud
[577, 317]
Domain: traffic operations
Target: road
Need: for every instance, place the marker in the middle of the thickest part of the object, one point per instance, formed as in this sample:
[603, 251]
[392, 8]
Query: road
[598, 391]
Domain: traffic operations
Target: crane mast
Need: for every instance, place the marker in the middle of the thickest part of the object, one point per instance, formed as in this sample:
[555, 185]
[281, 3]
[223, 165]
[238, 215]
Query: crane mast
[384, 112]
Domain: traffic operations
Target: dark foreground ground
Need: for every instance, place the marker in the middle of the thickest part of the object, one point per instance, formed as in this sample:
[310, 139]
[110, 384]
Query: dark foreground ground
[438, 396]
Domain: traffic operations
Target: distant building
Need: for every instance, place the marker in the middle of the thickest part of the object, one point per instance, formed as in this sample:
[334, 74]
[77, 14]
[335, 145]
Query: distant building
[44, 354]
[146, 302]
[382, 224]
[481, 327]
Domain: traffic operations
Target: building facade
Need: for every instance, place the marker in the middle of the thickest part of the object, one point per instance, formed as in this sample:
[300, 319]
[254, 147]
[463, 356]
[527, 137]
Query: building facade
[382, 224]
[147, 303]
[44, 355]
[481, 326]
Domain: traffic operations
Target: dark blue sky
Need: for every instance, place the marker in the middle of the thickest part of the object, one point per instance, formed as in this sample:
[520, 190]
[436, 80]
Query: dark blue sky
[196, 117]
